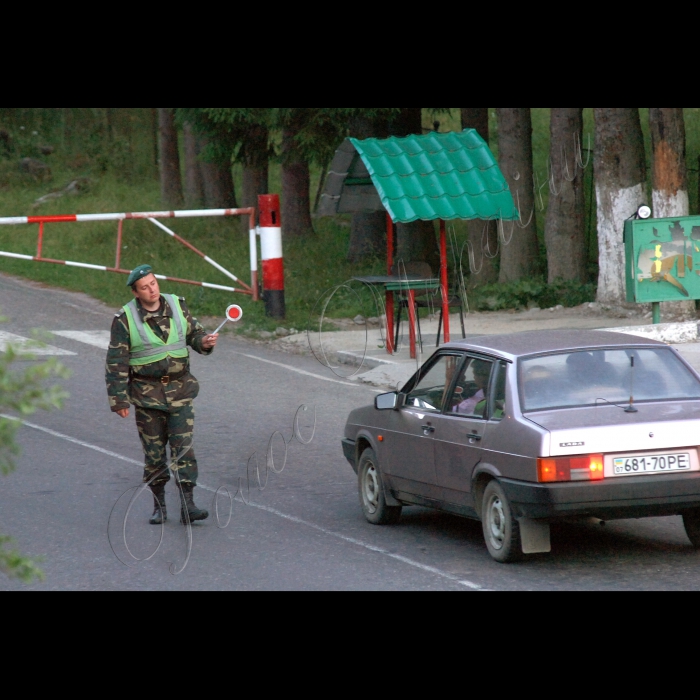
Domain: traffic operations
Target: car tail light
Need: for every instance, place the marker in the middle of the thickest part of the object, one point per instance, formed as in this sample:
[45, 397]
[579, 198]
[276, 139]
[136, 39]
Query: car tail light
[585, 468]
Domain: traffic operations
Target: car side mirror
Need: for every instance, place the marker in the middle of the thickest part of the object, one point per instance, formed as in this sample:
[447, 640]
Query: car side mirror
[388, 402]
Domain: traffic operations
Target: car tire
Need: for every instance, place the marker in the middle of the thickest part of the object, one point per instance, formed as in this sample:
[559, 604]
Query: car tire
[371, 489]
[501, 528]
[691, 521]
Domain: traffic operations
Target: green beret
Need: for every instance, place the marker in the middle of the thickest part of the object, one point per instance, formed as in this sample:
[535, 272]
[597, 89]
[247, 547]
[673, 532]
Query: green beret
[139, 273]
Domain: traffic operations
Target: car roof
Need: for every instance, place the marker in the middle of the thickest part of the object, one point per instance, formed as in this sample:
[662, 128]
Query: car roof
[516, 345]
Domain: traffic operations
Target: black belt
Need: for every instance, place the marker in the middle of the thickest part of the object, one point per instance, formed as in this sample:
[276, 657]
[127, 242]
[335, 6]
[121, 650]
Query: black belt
[161, 380]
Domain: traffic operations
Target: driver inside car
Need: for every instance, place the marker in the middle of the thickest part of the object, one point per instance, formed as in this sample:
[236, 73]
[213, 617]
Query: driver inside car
[475, 405]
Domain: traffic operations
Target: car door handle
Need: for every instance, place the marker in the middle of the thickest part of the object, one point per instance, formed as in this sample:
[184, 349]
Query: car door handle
[476, 438]
[428, 429]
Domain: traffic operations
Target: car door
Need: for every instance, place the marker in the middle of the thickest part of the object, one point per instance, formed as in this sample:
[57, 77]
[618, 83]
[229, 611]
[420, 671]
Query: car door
[409, 441]
[477, 399]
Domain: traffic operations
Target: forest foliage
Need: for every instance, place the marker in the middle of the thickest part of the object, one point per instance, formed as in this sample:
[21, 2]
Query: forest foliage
[113, 155]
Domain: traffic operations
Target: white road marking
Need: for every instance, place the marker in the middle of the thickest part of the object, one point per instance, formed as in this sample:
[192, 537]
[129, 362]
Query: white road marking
[364, 545]
[100, 339]
[273, 511]
[26, 345]
[307, 374]
[71, 439]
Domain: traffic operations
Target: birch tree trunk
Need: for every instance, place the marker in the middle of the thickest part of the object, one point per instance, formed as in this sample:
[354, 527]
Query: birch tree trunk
[620, 174]
[483, 235]
[194, 187]
[670, 176]
[565, 225]
[170, 178]
[520, 257]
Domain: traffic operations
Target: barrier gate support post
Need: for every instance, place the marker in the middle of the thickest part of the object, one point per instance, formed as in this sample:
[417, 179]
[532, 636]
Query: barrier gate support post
[272, 256]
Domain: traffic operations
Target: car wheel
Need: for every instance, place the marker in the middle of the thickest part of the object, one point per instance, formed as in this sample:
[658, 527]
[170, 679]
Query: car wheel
[691, 520]
[501, 529]
[372, 498]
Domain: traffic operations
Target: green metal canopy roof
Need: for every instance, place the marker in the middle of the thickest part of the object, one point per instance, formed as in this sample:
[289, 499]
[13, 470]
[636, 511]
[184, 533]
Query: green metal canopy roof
[436, 176]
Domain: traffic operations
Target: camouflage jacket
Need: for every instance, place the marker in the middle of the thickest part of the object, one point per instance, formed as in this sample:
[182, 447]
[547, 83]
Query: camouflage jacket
[124, 389]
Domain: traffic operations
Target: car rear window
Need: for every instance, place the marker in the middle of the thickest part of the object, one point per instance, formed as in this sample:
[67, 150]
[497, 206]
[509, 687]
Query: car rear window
[588, 378]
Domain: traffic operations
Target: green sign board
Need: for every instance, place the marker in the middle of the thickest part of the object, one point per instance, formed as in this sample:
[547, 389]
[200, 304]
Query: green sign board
[663, 259]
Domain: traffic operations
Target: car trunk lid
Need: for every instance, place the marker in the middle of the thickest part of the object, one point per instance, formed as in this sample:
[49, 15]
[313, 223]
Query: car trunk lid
[609, 429]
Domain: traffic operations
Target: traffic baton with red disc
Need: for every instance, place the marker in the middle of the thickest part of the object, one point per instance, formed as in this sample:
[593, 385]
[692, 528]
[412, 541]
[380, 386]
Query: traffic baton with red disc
[234, 314]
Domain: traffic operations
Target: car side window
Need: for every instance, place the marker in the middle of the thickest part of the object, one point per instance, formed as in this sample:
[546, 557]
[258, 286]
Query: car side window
[498, 394]
[471, 393]
[429, 392]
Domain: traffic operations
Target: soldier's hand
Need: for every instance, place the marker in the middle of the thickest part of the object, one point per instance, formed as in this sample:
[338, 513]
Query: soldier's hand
[209, 341]
[124, 413]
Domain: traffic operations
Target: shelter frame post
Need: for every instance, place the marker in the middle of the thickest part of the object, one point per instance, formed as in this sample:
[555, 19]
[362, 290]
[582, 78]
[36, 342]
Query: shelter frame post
[390, 295]
[444, 281]
[412, 322]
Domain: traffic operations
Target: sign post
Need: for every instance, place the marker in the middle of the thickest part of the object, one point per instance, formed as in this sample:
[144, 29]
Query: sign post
[662, 261]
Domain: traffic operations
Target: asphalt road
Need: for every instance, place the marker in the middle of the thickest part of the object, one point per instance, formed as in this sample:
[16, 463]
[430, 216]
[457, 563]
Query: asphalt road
[304, 531]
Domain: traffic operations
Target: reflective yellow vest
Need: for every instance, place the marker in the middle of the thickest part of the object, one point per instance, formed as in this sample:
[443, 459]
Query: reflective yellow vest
[146, 346]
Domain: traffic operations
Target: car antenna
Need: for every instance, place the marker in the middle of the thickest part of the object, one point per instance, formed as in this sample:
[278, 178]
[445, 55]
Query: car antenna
[631, 408]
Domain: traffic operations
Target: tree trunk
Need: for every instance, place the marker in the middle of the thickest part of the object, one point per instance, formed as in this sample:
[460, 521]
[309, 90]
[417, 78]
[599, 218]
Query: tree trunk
[670, 176]
[476, 118]
[255, 182]
[217, 180]
[368, 232]
[520, 257]
[109, 122]
[156, 137]
[256, 166]
[565, 225]
[296, 185]
[194, 187]
[483, 235]
[170, 179]
[620, 174]
[416, 242]
[408, 122]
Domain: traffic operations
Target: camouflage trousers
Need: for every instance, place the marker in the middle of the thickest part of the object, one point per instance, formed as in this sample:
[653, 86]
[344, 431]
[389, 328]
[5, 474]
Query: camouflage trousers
[157, 429]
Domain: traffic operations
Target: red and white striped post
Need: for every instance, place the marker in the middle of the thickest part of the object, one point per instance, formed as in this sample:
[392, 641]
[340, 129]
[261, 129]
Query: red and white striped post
[272, 256]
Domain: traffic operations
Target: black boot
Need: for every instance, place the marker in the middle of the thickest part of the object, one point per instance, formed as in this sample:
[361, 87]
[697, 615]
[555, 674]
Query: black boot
[187, 499]
[160, 512]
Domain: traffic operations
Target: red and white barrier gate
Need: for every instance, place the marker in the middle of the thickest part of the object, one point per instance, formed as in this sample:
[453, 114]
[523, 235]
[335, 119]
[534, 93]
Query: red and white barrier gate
[153, 218]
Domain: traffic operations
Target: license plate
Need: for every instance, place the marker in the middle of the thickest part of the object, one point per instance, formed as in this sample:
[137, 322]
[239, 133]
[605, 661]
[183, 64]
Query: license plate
[655, 464]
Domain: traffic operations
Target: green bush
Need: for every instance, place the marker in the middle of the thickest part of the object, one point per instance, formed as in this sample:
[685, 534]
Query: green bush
[529, 293]
[22, 392]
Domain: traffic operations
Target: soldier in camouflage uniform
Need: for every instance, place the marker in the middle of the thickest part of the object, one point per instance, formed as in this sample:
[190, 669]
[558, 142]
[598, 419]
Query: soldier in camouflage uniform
[148, 366]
